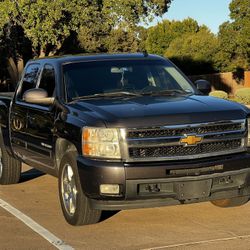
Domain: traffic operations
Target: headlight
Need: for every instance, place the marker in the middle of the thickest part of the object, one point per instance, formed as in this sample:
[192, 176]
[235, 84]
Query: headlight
[101, 142]
[248, 129]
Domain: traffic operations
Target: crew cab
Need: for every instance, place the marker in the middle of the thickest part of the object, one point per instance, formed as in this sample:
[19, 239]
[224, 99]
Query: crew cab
[124, 131]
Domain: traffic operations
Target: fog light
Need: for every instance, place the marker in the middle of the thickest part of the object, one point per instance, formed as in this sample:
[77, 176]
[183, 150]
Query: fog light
[109, 189]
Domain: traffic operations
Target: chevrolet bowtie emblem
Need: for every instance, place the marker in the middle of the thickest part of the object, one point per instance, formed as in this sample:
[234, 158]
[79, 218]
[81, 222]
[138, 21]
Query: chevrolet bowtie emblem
[191, 140]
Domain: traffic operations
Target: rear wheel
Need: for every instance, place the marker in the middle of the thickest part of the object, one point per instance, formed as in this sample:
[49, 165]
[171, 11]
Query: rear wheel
[75, 205]
[10, 168]
[233, 202]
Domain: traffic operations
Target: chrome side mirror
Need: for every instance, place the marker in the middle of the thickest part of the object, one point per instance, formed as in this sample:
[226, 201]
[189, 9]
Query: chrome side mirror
[38, 96]
[203, 86]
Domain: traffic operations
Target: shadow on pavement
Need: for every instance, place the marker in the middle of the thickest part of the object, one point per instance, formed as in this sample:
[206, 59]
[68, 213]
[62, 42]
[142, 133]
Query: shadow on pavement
[30, 174]
[108, 214]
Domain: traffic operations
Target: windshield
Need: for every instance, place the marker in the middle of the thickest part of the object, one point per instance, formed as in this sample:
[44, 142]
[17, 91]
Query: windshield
[83, 79]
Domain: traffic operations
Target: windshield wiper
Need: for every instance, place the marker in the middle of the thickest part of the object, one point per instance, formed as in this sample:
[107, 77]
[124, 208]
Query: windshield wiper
[108, 94]
[169, 92]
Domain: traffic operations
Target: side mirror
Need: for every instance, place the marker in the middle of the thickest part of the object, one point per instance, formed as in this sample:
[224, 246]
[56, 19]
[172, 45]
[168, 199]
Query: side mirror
[203, 86]
[38, 96]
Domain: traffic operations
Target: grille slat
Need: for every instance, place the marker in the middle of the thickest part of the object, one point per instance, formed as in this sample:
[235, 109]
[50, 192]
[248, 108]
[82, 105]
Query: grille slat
[151, 133]
[142, 143]
[182, 151]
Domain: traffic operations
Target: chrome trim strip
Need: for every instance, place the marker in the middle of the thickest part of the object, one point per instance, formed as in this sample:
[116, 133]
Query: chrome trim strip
[190, 125]
[123, 144]
[179, 137]
[186, 157]
[177, 143]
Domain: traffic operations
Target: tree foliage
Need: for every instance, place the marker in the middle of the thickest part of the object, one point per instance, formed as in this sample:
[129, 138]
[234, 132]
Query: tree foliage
[161, 35]
[194, 52]
[118, 39]
[92, 37]
[122, 40]
[48, 24]
[191, 46]
[234, 39]
[134, 11]
[200, 46]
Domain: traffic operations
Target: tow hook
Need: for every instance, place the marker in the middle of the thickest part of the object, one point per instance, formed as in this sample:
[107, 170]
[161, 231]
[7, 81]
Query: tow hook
[225, 180]
[153, 188]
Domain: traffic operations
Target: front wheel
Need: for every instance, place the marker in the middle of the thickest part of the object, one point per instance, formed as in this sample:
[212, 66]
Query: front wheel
[75, 205]
[233, 202]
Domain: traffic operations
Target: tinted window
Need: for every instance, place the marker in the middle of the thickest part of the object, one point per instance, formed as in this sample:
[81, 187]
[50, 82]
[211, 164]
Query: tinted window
[48, 79]
[29, 79]
[139, 76]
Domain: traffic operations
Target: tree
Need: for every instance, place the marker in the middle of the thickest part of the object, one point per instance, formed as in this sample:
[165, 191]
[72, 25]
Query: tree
[132, 12]
[234, 39]
[194, 53]
[161, 35]
[117, 17]
[47, 24]
[93, 37]
[15, 49]
[118, 39]
[122, 40]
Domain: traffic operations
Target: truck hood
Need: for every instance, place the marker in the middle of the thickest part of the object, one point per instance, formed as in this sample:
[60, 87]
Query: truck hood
[157, 111]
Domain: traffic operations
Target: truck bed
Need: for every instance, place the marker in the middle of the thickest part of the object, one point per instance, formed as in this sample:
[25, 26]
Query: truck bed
[8, 95]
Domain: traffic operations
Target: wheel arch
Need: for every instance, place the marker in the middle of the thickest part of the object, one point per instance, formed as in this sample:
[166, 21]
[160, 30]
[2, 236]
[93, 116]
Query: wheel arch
[63, 146]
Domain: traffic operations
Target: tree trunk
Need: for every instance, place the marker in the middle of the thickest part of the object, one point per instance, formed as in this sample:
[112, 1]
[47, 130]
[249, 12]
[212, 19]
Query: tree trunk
[52, 53]
[20, 67]
[55, 49]
[13, 71]
[42, 53]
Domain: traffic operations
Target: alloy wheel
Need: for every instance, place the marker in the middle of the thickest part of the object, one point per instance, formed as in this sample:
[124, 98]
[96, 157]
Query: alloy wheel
[69, 190]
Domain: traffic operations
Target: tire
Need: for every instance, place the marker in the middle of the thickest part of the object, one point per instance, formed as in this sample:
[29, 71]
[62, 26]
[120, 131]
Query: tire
[233, 202]
[75, 205]
[10, 168]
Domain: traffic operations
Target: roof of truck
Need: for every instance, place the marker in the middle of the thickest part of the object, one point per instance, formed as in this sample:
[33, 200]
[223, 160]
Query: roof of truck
[95, 57]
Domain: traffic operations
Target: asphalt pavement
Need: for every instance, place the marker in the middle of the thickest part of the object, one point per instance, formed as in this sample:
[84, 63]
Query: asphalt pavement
[196, 226]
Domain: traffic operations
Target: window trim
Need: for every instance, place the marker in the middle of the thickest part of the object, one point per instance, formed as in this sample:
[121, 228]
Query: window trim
[166, 63]
[41, 73]
[22, 78]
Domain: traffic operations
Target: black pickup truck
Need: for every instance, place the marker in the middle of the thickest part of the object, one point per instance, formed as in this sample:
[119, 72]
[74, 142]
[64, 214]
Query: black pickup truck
[124, 131]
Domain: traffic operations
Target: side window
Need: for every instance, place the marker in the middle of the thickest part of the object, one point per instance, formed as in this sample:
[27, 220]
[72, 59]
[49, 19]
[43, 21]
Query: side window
[29, 79]
[48, 79]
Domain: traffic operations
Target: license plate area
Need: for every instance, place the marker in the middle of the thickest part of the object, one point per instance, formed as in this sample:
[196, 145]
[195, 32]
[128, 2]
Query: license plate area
[192, 189]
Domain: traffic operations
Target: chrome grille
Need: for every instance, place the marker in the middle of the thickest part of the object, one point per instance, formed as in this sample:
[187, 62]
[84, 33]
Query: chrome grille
[186, 130]
[163, 143]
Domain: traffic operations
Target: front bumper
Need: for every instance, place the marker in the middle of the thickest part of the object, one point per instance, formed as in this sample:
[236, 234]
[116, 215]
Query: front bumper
[165, 183]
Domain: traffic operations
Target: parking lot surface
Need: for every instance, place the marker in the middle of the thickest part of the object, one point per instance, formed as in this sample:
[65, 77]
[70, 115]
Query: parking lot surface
[196, 226]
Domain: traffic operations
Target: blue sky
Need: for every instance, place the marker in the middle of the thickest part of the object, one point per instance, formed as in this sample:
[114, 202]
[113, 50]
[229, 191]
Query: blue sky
[209, 12]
